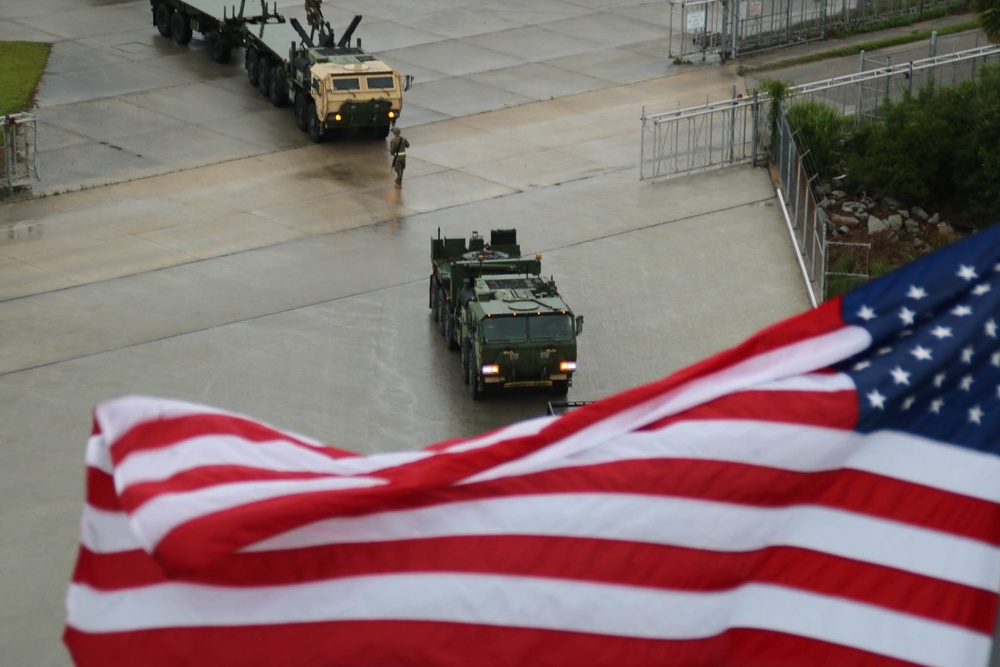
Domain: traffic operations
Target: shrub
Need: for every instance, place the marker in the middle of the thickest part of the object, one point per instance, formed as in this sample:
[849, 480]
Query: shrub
[818, 129]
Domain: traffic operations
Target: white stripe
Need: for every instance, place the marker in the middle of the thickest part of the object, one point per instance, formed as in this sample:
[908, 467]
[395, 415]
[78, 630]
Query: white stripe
[106, 532]
[96, 455]
[527, 602]
[813, 382]
[804, 448]
[672, 521]
[762, 370]
[232, 450]
[154, 519]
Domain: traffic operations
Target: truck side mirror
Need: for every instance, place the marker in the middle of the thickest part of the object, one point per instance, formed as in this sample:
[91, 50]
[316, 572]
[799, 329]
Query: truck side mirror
[407, 82]
[579, 324]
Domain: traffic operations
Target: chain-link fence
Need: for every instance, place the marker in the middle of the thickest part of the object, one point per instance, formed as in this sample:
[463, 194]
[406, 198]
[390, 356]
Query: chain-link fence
[733, 28]
[19, 166]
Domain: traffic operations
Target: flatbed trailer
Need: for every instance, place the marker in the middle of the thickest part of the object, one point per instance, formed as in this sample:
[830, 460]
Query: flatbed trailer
[334, 87]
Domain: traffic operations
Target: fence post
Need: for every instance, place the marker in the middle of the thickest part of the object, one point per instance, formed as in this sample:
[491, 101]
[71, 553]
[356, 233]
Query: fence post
[8, 154]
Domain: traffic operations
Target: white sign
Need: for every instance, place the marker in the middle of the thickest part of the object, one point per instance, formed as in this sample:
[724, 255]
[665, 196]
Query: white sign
[755, 8]
[696, 20]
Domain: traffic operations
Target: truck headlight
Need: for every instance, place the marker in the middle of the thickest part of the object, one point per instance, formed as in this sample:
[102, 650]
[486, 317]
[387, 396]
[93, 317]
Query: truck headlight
[491, 369]
[567, 366]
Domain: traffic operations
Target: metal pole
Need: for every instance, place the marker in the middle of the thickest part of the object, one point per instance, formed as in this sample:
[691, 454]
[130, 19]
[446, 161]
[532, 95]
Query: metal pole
[8, 158]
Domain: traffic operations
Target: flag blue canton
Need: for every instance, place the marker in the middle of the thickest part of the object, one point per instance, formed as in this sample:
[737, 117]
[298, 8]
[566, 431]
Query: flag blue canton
[933, 368]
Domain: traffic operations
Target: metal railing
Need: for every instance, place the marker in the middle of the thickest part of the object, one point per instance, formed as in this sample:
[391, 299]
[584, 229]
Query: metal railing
[20, 156]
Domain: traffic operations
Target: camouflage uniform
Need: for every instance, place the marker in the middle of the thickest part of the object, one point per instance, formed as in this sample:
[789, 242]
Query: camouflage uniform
[314, 13]
[398, 146]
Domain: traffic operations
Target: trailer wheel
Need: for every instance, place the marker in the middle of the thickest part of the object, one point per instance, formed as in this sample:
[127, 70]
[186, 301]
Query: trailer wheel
[449, 334]
[180, 28]
[442, 312]
[251, 61]
[315, 127]
[277, 93]
[264, 75]
[221, 46]
[164, 13]
[301, 110]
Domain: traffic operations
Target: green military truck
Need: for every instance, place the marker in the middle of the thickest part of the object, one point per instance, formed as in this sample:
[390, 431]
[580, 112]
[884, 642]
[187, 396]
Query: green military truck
[511, 325]
[333, 86]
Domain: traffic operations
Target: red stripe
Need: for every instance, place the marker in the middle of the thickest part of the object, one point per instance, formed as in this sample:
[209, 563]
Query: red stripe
[166, 432]
[431, 644]
[197, 542]
[101, 491]
[607, 561]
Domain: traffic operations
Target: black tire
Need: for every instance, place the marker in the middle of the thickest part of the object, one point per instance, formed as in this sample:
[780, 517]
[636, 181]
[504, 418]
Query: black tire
[264, 76]
[221, 46]
[474, 390]
[449, 334]
[466, 359]
[162, 17]
[251, 61]
[381, 132]
[180, 28]
[560, 387]
[315, 128]
[442, 311]
[432, 298]
[301, 110]
[276, 92]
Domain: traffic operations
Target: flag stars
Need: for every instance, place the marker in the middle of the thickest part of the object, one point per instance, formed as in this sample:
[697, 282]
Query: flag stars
[916, 293]
[876, 399]
[861, 365]
[961, 311]
[884, 350]
[866, 313]
[899, 376]
[941, 332]
[967, 353]
[939, 380]
[995, 359]
[981, 289]
[967, 273]
[991, 328]
[975, 415]
[936, 406]
[906, 316]
[921, 353]
[965, 384]
[909, 401]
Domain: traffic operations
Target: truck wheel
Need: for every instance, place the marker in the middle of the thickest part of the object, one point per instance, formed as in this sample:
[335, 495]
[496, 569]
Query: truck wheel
[301, 110]
[264, 75]
[442, 311]
[449, 334]
[315, 127]
[277, 93]
[560, 387]
[431, 302]
[221, 46]
[251, 61]
[477, 393]
[381, 132]
[180, 28]
[466, 357]
[162, 18]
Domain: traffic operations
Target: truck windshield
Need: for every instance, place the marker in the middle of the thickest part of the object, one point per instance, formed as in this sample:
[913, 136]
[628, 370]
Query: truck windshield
[384, 82]
[523, 329]
[550, 327]
[505, 329]
[346, 84]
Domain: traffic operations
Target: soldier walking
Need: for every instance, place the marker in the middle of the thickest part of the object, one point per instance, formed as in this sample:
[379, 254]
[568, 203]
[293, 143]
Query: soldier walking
[397, 146]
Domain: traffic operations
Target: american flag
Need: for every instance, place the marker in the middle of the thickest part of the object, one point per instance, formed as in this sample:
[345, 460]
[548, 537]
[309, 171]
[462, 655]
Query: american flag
[826, 493]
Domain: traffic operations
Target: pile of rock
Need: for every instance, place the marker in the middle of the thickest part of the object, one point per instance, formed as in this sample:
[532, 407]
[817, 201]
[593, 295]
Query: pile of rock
[845, 214]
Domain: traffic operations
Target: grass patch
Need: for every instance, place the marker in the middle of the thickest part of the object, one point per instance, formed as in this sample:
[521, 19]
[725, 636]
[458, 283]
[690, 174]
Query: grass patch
[21, 67]
[915, 36]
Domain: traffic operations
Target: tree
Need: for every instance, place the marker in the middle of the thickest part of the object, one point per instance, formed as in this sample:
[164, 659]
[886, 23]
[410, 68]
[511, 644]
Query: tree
[988, 18]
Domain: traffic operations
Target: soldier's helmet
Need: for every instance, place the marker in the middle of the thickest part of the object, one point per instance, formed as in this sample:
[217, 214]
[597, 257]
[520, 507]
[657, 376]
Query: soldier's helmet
[395, 131]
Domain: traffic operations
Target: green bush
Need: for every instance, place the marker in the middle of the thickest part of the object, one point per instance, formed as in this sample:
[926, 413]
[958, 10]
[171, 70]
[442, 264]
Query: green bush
[818, 129]
[941, 145]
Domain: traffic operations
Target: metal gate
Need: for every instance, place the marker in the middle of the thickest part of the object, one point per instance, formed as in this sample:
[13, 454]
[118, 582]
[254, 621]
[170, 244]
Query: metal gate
[17, 135]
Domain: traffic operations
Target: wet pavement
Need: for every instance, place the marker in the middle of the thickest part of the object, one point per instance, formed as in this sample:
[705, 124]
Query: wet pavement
[194, 244]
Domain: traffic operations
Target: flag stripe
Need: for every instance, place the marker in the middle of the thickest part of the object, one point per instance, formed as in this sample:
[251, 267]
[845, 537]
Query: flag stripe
[658, 566]
[431, 644]
[572, 606]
